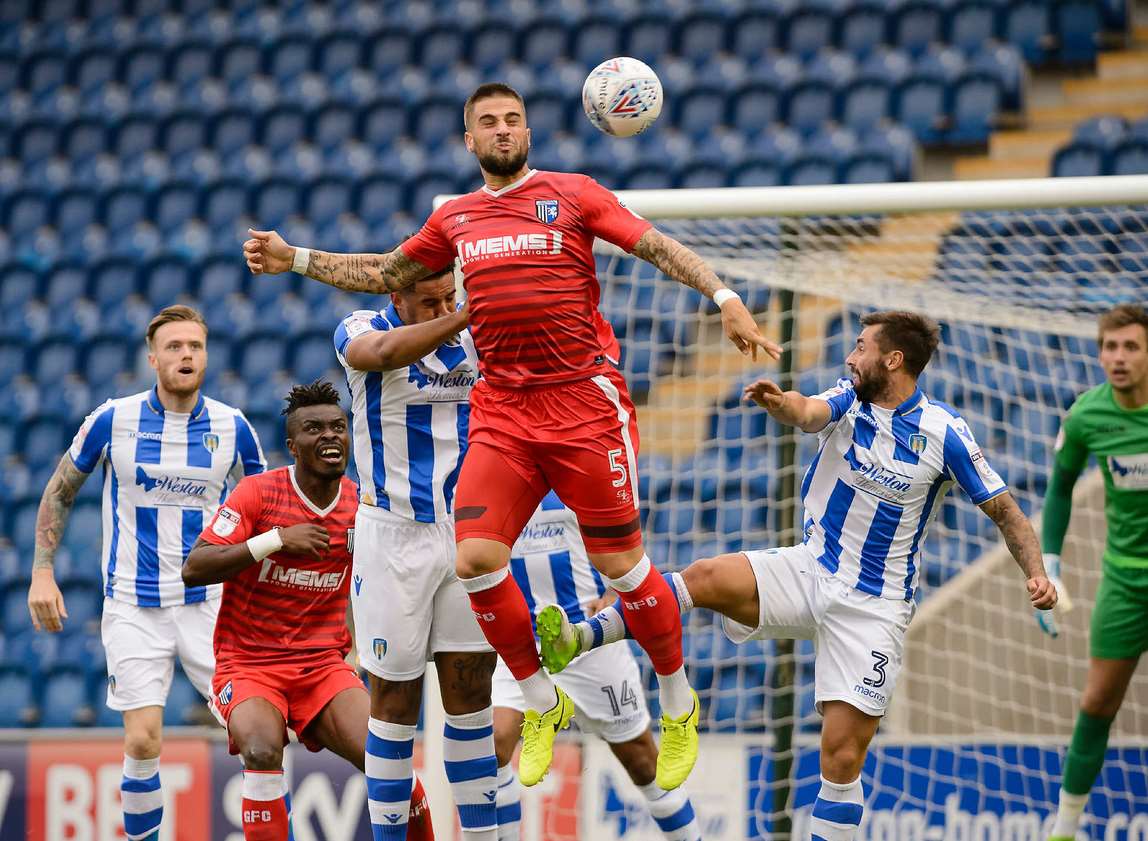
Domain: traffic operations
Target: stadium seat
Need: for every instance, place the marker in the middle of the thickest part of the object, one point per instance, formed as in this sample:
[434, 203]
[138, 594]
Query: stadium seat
[491, 45]
[332, 125]
[439, 46]
[864, 102]
[44, 72]
[83, 139]
[542, 41]
[238, 60]
[811, 169]
[1130, 158]
[754, 107]
[84, 602]
[424, 187]
[756, 172]
[288, 57]
[648, 37]
[970, 24]
[1004, 61]
[166, 280]
[920, 104]
[112, 281]
[223, 204]
[596, 39]
[915, 26]
[25, 212]
[34, 141]
[861, 29]
[65, 698]
[75, 210]
[16, 618]
[976, 100]
[700, 35]
[13, 360]
[1078, 159]
[232, 130]
[1105, 132]
[182, 701]
[755, 32]
[183, 133]
[700, 110]
[190, 64]
[1026, 25]
[17, 697]
[312, 355]
[1076, 26]
[91, 70]
[283, 127]
[141, 67]
[868, 168]
[174, 205]
[436, 120]
[272, 201]
[106, 357]
[261, 355]
[123, 207]
[338, 54]
[809, 105]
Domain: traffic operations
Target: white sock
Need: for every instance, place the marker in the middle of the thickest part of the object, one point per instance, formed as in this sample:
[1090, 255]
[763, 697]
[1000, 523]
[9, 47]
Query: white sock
[678, 585]
[673, 813]
[674, 694]
[837, 811]
[263, 785]
[603, 628]
[390, 777]
[634, 577]
[1068, 812]
[142, 797]
[509, 804]
[471, 768]
[539, 692]
[484, 582]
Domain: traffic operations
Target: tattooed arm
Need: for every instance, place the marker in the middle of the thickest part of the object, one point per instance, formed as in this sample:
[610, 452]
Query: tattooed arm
[1023, 546]
[45, 602]
[680, 263]
[267, 253]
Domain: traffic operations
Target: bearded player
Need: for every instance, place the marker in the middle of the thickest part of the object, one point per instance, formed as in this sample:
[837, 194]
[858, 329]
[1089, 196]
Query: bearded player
[1109, 422]
[282, 546]
[552, 411]
[887, 455]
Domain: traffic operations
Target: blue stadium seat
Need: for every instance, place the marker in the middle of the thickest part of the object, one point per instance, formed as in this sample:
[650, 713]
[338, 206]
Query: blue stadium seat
[338, 53]
[650, 175]
[13, 360]
[106, 357]
[388, 50]
[312, 355]
[220, 277]
[183, 132]
[1077, 159]
[757, 172]
[1076, 25]
[53, 359]
[809, 105]
[74, 210]
[648, 37]
[543, 40]
[754, 107]
[15, 594]
[700, 110]
[283, 127]
[831, 66]
[261, 355]
[970, 24]
[382, 122]
[85, 604]
[436, 120]
[92, 69]
[232, 130]
[288, 57]
[811, 169]
[424, 187]
[440, 46]
[182, 700]
[273, 201]
[700, 35]
[893, 66]
[8, 442]
[754, 32]
[700, 175]
[491, 45]
[1004, 61]
[1026, 25]
[378, 198]
[1105, 132]
[869, 168]
[190, 64]
[1130, 158]
[223, 203]
[112, 281]
[807, 29]
[83, 139]
[1115, 15]
[135, 135]
[25, 212]
[238, 60]
[327, 198]
[174, 205]
[976, 101]
[920, 104]
[34, 141]
[861, 29]
[141, 67]
[17, 697]
[915, 26]
[44, 72]
[596, 39]
[166, 280]
[65, 698]
[864, 102]
[333, 125]
[123, 207]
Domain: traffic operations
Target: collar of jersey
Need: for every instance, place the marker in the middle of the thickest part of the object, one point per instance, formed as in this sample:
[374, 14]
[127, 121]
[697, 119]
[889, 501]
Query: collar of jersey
[157, 407]
[392, 315]
[910, 404]
[509, 187]
[322, 512]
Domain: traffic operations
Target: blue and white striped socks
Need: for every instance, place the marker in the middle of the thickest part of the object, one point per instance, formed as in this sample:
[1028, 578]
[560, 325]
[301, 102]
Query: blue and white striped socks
[390, 777]
[837, 811]
[673, 813]
[509, 802]
[471, 768]
[142, 799]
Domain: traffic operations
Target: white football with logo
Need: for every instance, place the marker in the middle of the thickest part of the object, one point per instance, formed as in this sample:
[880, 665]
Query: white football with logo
[622, 96]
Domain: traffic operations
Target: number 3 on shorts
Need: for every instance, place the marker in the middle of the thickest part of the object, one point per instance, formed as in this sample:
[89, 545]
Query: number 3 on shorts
[617, 465]
[880, 660]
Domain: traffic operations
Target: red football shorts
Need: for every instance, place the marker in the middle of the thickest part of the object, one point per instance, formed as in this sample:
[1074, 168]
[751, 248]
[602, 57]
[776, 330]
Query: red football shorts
[579, 438]
[299, 691]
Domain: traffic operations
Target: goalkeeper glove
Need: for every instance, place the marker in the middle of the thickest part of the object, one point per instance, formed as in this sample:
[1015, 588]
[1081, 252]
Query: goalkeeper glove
[1046, 618]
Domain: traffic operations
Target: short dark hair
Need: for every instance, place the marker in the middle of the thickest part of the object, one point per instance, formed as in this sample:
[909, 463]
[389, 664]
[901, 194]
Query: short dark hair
[1121, 316]
[485, 91]
[176, 312]
[318, 393]
[915, 335]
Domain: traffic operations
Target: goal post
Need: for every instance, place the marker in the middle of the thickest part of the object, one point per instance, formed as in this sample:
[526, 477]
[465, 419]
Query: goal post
[1016, 272]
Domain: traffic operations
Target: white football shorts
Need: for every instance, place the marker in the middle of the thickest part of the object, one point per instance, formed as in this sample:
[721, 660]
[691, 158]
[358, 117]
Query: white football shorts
[407, 600]
[860, 638]
[142, 643]
[605, 685]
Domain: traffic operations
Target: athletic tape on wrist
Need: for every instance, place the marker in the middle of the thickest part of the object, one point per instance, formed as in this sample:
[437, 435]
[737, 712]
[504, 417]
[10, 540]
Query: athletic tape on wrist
[723, 295]
[301, 260]
[264, 544]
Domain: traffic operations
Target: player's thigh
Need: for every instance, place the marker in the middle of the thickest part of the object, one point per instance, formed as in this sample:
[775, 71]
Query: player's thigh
[606, 687]
[860, 650]
[786, 584]
[341, 726]
[397, 567]
[499, 486]
[140, 644]
[1106, 684]
[257, 732]
[233, 685]
[195, 633]
[325, 681]
[725, 584]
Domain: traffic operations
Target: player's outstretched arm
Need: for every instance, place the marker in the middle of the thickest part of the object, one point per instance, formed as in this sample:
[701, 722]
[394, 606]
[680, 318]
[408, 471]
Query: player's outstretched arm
[268, 253]
[212, 563]
[386, 350]
[1024, 547]
[45, 602]
[789, 407]
[677, 261]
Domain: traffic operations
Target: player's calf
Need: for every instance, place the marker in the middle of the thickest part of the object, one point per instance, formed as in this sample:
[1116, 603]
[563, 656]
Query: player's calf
[672, 811]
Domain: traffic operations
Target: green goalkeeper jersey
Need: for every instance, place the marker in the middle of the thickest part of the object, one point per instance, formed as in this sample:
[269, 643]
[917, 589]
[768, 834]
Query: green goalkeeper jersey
[1097, 425]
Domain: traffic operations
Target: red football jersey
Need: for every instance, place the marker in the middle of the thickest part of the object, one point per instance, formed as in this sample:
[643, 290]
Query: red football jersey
[286, 607]
[528, 269]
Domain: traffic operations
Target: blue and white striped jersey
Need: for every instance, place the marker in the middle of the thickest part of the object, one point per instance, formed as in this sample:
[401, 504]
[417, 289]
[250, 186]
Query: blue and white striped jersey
[549, 562]
[165, 474]
[876, 483]
[409, 426]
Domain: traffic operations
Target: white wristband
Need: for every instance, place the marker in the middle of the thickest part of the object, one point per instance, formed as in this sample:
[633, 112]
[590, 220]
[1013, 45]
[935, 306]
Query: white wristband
[723, 295]
[301, 260]
[264, 544]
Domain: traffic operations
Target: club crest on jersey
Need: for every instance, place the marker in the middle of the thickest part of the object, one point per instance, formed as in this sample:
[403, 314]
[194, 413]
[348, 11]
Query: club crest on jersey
[210, 442]
[379, 647]
[918, 442]
[225, 694]
[546, 210]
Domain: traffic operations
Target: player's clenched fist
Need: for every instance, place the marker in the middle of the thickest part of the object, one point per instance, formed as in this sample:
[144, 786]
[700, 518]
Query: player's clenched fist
[267, 253]
[742, 330]
[46, 602]
[305, 539]
[765, 393]
[1042, 592]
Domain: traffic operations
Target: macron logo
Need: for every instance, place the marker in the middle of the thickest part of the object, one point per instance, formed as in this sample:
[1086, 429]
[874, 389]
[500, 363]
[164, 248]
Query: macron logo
[509, 245]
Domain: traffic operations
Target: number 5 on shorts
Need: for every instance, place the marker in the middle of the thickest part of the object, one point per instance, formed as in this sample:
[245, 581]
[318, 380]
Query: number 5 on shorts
[617, 465]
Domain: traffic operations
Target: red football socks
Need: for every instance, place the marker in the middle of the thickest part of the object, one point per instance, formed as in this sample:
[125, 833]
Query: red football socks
[652, 615]
[505, 620]
[419, 826]
[264, 810]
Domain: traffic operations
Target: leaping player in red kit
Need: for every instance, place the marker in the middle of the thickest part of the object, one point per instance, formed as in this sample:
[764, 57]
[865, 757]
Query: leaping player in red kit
[551, 410]
[282, 545]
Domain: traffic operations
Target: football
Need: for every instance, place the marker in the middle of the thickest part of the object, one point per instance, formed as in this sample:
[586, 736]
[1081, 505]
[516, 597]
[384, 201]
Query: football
[622, 96]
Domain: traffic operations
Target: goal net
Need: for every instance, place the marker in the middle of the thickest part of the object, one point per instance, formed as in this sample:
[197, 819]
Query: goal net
[1016, 272]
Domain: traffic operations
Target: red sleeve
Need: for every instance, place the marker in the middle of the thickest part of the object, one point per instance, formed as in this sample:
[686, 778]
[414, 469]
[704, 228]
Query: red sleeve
[238, 517]
[429, 246]
[608, 219]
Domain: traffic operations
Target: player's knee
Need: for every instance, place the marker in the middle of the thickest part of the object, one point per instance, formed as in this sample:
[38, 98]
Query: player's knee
[639, 759]
[704, 581]
[259, 755]
[472, 561]
[1097, 701]
[841, 761]
[142, 744]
